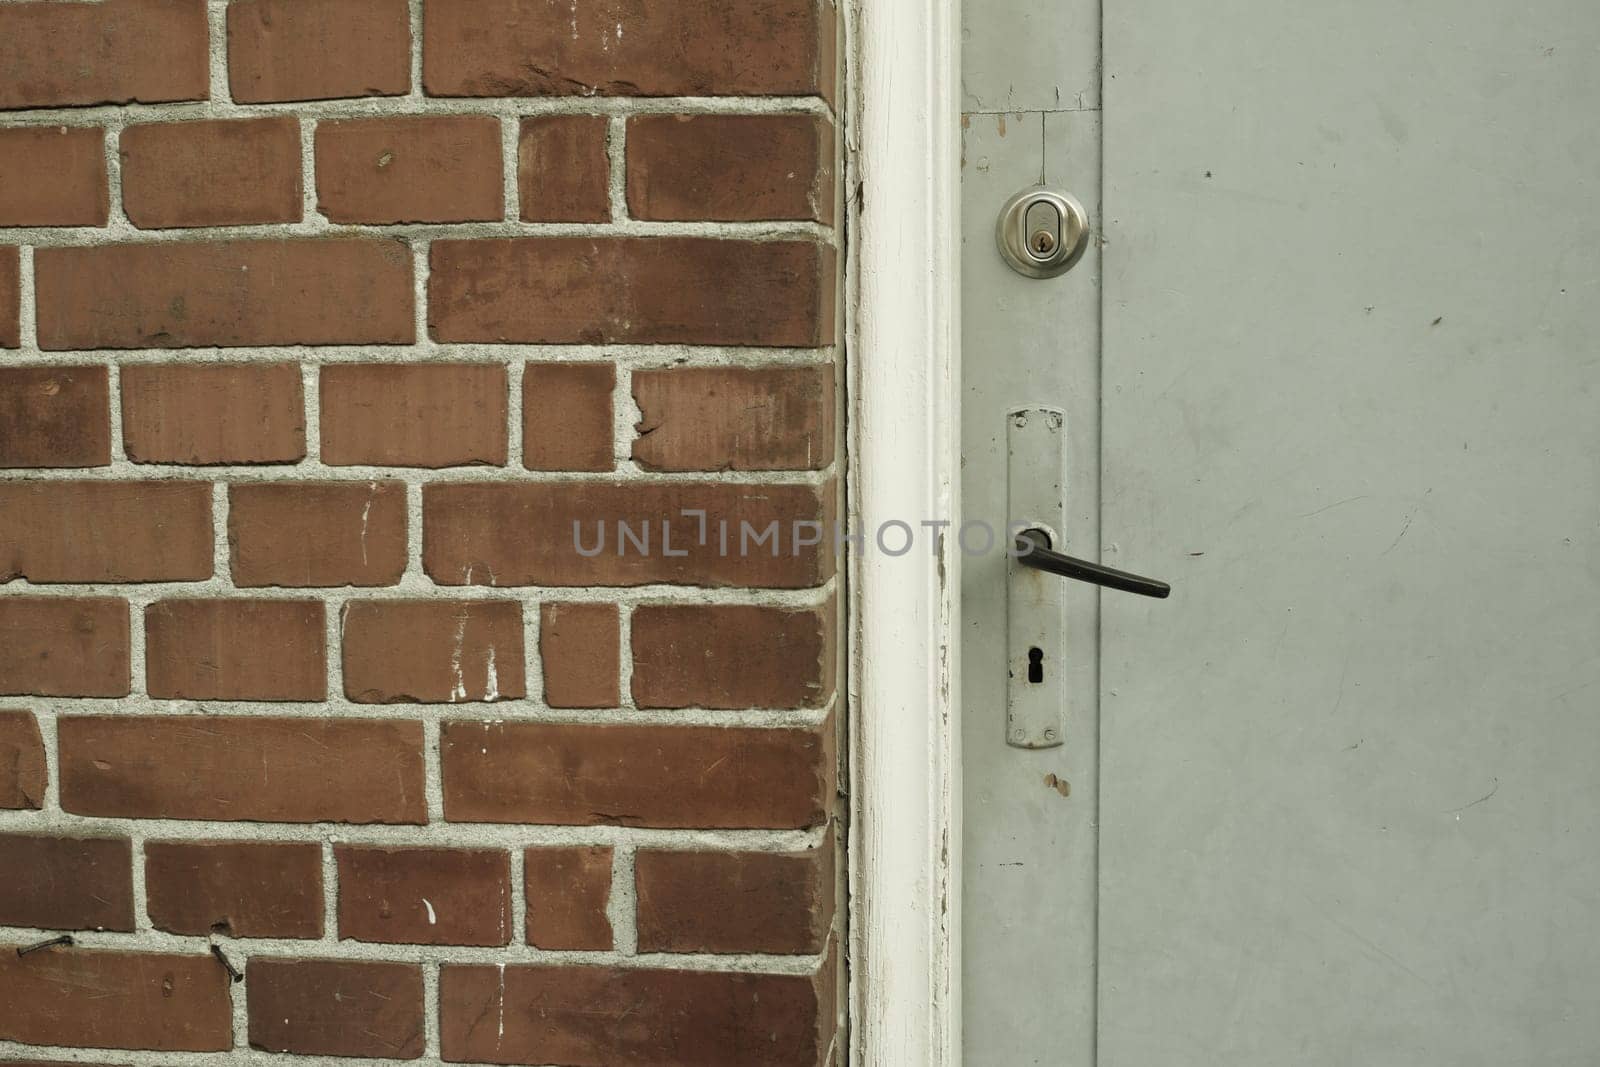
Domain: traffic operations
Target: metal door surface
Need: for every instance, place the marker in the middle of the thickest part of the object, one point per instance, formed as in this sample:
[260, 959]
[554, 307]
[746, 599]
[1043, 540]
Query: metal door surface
[1030, 99]
[1332, 374]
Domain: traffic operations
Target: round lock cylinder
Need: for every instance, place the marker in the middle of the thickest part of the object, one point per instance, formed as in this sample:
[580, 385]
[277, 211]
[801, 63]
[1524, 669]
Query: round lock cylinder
[1042, 232]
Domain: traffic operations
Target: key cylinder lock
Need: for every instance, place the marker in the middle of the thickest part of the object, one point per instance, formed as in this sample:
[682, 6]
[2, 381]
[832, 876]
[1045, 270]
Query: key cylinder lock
[1042, 232]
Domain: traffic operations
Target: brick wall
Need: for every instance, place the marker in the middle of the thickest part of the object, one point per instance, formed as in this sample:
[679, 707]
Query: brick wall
[321, 321]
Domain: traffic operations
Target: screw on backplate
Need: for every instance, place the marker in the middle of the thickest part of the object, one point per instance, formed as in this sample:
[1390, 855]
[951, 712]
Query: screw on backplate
[64, 939]
[227, 964]
[1049, 735]
[1019, 419]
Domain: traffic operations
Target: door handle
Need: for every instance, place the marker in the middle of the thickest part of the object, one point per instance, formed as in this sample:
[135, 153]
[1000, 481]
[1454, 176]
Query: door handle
[1033, 550]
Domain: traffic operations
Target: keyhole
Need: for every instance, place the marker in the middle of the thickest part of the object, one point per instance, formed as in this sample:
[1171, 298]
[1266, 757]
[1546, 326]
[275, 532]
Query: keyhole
[1035, 665]
[1044, 242]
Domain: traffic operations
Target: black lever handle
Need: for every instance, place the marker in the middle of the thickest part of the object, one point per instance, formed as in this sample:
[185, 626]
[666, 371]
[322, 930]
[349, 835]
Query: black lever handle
[1033, 550]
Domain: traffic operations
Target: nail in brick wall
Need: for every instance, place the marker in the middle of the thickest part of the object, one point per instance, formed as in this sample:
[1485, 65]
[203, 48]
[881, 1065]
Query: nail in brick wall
[303, 677]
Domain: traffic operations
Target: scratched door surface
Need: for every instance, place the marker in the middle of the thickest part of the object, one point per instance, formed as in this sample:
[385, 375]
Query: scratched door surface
[1031, 114]
[1350, 772]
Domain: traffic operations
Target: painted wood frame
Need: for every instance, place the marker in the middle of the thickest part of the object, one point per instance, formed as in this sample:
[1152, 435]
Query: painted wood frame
[903, 326]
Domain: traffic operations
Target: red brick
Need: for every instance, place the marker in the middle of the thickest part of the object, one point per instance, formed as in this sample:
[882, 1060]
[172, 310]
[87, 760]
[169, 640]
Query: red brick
[732, 656]
[159, 1001]
[318, 49]
[563, 170]
[10, 296]
[706, 777]
[60, 531]
[631, 290]
[54, 417]
[22, 770]
[213, 413]
[772, 902]
[239, 888]
[114, 52]
[566, 894]
[242, 769]
[567, 422]
[737, 168]
[174, 294]
[66, 883]
[52, 175]
[336, 1008]
[236, 650]
[317, 533]
[424, 896]
[433, 651]
[623, 48]
[569, 1015]
[829, 35]
[63, 647]
[523, 534]
[414, 168]
[414, 415]
[579, 647]
[734, 418]
[212, 173]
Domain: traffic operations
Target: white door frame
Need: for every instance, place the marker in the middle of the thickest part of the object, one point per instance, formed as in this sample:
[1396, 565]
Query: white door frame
[903, 327]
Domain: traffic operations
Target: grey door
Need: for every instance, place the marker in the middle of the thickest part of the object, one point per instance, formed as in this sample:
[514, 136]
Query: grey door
[1342, 393]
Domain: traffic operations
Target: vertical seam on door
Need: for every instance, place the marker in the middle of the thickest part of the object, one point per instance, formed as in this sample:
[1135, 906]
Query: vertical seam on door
[1100, 533]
